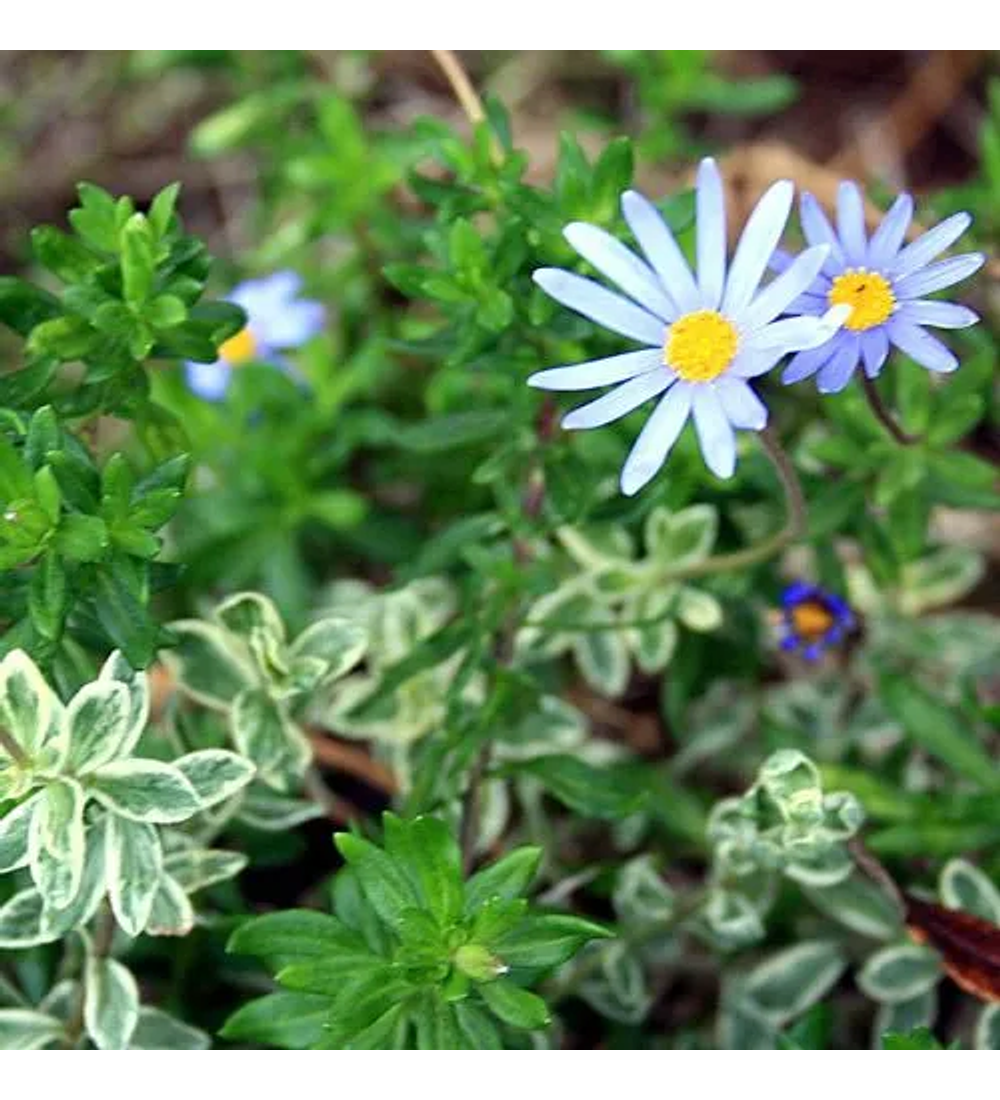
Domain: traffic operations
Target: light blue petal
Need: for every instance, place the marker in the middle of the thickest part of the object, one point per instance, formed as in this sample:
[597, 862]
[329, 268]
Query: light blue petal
[600, 305]
[886, 240]
[851, 223]
[780, 260]
[921, 347]
[267, 294]
[778, 295]
[835, 375]
[939, 275]
[208, 380]
[807, 363]
[757, 243]
[621, 266]
[740, 404]
[931, 244]
[715, 433]
[817, 230]
[662, 251]
[937, 314]
[656, 439]
[620, 401]
[291, 326]
[711, 232]
[598, 372]
[874, 350]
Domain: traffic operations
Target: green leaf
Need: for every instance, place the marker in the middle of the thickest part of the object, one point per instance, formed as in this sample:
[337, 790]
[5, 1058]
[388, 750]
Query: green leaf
[295, 934]
[209, 668]
[63, 255]
[938, 729]
[56, 843]
[25, 1029]
[291, 1021]
[14, 830]
[426, 849]
[446, 433]
[900, 972]
[144, 791]
[172, 913]
[137, 259]
[134, 862]
[158, 1030]
[480, 1031]
[161, 209]
[21, 922]
[82, 538]
[547, 940]
[859, 905]
[608, 792]
[339, 643]
[920, 1038]
[215, 774]
[263, 732]
[385, 884]
[22, 306]
[97, 720]
[508, 878]
[49, 598]
[603, 659]
[195, 868]
[26, 702]
[116, 669]
[790, 982]
[111, 1004]
[514, 1005]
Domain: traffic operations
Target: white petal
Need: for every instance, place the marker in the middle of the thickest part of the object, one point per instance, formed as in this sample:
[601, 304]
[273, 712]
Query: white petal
[851, 223]
[621, 266]
[799, 333]
[711, 229]
[656, 439]
[743, 407]
[817, 230]
[931, 244]
[759, 240]
[778, 295]
[938, 276]
[715, 434]
[598, 372]
[751, 364]
[620, 401]
[601, 305]
[937, 314]
[920, 346]
[662, 251]
[886, 240]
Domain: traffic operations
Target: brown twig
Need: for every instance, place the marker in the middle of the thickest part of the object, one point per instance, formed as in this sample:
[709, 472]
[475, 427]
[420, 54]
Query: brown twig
[874, 869]
[470, 807]
[337, 809]
[461, 85]
[10, 746]
[884, 416]
[353, 760]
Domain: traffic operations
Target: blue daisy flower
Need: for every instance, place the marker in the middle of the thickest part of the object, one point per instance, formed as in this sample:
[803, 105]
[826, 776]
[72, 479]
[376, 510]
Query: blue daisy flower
[813, 619]
[277, 319]
[884, 285]
[704, 338]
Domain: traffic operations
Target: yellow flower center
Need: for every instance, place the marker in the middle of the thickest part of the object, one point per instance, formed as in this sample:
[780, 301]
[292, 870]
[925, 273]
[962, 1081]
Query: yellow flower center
[239, 349]
[701, 345]
[812, 620]
[868, 294]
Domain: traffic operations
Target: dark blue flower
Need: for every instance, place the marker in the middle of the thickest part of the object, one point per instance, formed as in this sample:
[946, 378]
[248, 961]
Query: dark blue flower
[814, 619]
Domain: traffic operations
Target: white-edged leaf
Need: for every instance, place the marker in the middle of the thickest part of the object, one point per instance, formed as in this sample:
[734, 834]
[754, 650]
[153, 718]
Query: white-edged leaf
[97, 721]
[903, 1016]
[792, 981]
[196, 868]
[134, 866]
[215, 774]
[271, 812]
[14, 829]
[57, 922]
[338, 643]
[603, 659]
[263, 732]
[987, 1035]
[158, 1030]
[698, 610]
[654, 643]
[24, 1029]
[136, 683]
[210, 666]
[21, 921]
[900, 972]
[860, 905]
[249, 613]
[144, 790]
[681, 538]
[111, 1003]
[964, 886]
[172, 913]
[26, 702]
[56, 842]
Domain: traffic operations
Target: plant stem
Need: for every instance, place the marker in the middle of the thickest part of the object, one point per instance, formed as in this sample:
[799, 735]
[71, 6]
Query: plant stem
[470, 807]
[100, 948]
[885, 417]
[875, 870]
[12, 748]
[461, 85]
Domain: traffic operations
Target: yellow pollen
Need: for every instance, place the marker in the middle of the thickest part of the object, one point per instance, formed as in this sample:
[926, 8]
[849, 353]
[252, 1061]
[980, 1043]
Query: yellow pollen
[812, 620]
[701, 345]
[239, 349]
[868, 294]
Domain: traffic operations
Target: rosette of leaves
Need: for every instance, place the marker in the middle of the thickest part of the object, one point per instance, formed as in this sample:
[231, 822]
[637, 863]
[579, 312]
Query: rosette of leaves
[784, 824]
[241, 663]
[413, 956]
[613, 607]
[85, 816]
[902, 976]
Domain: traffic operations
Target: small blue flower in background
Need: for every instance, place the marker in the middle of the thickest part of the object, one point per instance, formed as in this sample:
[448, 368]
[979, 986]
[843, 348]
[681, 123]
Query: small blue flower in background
[277, 319]
[704, 338]
[884, 285]
[813, 619]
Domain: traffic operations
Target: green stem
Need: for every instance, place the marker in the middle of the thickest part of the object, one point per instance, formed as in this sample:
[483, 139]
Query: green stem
[12, 748]
[884, 416]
